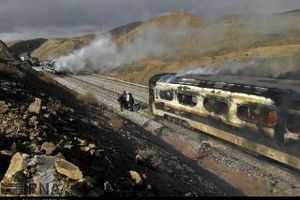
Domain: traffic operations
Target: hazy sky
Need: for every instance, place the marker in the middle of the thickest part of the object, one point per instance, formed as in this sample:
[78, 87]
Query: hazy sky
[23, 19]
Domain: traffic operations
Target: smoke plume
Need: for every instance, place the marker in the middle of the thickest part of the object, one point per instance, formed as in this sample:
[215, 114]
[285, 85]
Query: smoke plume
[102, 53]
[274, 68]
[173, 41]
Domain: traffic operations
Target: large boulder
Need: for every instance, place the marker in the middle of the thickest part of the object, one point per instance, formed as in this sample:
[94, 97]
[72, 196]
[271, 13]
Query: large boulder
[35, 106]
[68, 169]
[17, 164]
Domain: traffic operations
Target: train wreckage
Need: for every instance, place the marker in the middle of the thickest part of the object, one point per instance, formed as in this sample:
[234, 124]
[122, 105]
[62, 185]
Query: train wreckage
[259, 114]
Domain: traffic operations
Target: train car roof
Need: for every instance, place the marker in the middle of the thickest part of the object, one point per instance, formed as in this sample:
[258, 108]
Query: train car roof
[252, 85]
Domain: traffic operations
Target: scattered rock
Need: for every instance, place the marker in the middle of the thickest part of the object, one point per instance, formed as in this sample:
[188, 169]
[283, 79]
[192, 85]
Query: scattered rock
[6, 153]
[92, 146]
[25, 116]
[107, 187]
[34, 121]
[89, 148]
[92, 152]
[149, 187]
[139, 159]
[79, 188]
[17, 164]
[3, 107]
[46, 115]
[35, 148]
[48, 147]
[18, 123]
[68, 169]
[68, 146]
[82, 142]
[136, 177]
[35, 106]
[96, 123]
[98, 152]
[189, 194]
[85, 149]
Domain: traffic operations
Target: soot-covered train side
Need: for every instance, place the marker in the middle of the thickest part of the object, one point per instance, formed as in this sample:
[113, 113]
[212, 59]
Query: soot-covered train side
[259, 114]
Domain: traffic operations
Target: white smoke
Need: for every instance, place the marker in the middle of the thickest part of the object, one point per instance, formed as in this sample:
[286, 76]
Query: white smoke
[150, 41]
[171, 42]
[199, 69]
[102, 53]
[255, 67]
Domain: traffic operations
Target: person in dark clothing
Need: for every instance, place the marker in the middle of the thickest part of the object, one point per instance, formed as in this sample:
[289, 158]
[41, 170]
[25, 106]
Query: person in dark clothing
[122, 101]
[131, 102]
[125, 103]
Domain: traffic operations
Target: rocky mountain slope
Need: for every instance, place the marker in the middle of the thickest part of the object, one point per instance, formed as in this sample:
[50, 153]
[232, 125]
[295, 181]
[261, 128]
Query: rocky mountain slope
[5, 54]
[53, 48]
[118, 32]
[45, 49]
[262, 41]
[26, 46]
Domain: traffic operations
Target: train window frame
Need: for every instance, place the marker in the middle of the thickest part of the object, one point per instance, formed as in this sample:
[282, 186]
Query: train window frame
[257, 121]
[294, 104]
[156, 93]
[289, 129]
[194, 96]
[167, 99]
[223, 100]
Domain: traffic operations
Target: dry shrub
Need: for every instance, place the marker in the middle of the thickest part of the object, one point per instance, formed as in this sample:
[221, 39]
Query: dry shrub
[46, 79]
[88, 99]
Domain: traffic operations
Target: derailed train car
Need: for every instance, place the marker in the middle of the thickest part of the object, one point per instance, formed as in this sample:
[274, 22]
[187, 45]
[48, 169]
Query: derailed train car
[259, 114]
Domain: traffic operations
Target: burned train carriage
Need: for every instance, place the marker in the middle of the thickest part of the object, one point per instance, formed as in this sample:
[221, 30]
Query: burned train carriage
[259, 114]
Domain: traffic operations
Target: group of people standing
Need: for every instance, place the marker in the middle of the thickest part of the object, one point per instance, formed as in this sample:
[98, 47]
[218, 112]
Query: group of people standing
[126, 101]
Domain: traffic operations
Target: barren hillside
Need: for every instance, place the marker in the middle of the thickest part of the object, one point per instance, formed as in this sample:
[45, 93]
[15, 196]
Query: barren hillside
[19, 47]
[118, 32]
[53, 48]
[263, 41]
[168, 22]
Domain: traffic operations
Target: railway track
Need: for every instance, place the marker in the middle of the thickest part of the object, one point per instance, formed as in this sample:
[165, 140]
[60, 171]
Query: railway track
[139, 92]
[242, 170]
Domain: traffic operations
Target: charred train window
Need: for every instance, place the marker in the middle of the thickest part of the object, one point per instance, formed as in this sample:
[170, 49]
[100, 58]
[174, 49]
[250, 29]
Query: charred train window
[187, 99]
[293, 123]
[166, 94]
[217, 106]
[260, 115]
